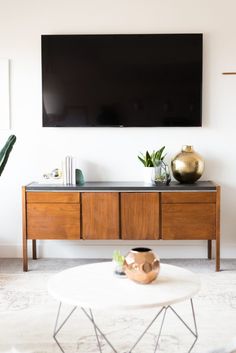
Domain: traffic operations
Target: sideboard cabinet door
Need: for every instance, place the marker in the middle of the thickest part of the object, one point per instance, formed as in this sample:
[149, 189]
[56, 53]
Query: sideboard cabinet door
[188, 215]
[100, 215]
[139, 215]
[53, 215]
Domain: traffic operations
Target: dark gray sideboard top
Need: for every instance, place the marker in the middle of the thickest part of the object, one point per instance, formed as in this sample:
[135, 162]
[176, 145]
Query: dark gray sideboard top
[123, 186]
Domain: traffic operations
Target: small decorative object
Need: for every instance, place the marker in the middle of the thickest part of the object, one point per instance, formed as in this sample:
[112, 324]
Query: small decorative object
[161, 174]
[148, 160]
[187, 166]
[79, 178]
[5, 152]
[118, 261]
[54, 174]
[142, 265]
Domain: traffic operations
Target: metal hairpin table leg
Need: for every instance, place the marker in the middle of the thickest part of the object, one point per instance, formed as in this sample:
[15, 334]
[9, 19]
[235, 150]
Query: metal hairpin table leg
[159, 334]
[57, 329]
[146, 329]
[193, 332]
[97, 329]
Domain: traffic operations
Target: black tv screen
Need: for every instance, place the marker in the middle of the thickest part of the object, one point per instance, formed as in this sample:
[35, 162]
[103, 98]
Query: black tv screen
[140, 80]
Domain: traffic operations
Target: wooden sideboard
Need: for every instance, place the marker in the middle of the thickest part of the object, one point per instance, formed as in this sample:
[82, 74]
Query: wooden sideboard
[121, 210]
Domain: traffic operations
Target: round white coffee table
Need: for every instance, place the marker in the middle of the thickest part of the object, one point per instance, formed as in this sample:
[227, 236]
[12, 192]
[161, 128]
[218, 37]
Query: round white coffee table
[94, 286]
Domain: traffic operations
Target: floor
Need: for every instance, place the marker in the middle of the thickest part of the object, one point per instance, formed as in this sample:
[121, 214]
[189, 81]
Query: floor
[27, 313]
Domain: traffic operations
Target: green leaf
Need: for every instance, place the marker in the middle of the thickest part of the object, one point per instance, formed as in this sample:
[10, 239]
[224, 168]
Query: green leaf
[118, 258]
[142, 160]
[5, 152]
[148, 160]
[161, 150]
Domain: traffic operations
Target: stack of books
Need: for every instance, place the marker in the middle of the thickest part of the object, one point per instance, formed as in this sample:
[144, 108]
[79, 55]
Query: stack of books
[68, 171]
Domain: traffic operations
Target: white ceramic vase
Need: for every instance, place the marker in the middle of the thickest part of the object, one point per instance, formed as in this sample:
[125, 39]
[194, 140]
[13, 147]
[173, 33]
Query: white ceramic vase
[148, 175]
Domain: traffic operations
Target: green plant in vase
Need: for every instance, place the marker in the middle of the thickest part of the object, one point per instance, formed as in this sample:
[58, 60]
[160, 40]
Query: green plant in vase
[148, 159]
[161, 172]
[118, 261]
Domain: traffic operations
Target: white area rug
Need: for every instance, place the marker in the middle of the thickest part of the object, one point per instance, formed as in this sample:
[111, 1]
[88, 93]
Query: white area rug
[27, 314]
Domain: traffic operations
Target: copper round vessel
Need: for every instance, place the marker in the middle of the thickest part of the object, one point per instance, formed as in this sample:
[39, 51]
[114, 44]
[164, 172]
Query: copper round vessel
[187, 166]
[142, 265]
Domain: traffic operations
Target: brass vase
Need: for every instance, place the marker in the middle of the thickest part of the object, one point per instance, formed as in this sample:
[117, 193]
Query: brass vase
[187, 166]
[142, 265]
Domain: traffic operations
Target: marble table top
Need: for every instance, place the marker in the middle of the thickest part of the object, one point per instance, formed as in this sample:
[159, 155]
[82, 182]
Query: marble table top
[95, 286]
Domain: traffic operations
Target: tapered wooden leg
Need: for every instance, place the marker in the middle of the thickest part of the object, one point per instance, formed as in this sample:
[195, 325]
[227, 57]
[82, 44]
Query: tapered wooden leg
[24, 234]
[209, 249]
[218, 228]
[25, 255]
[34, 249]
[217, 255]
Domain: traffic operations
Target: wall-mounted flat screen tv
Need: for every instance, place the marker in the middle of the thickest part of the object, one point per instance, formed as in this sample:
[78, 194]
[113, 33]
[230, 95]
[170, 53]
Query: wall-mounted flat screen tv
[124, 80]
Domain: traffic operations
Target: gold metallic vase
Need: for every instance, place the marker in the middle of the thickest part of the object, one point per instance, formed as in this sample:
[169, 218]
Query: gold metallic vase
[142, 265]
[187, 166]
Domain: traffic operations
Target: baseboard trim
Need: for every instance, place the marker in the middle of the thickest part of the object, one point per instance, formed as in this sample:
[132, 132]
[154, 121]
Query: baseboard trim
[104, 249]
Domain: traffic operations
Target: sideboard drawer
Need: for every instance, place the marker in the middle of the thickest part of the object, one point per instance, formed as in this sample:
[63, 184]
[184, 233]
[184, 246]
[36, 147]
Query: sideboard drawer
[188, 197]
[188, 221]
[53, 221]
[53, 197]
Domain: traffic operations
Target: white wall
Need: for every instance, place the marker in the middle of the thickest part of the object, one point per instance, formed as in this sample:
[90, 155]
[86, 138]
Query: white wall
[111, 153]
